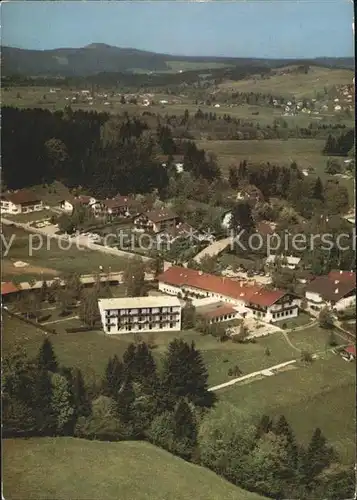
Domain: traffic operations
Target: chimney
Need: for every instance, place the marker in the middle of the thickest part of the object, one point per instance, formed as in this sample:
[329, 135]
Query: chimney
[336, 282]
[336, 291]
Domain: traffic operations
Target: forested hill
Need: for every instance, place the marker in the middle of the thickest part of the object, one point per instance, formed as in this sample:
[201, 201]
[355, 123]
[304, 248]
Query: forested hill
[99, 57]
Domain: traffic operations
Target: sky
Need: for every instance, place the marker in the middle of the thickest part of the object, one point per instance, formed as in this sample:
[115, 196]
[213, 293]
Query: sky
[271, 29]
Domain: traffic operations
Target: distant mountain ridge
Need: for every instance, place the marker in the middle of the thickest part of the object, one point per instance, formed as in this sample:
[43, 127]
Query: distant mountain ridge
[99, 57]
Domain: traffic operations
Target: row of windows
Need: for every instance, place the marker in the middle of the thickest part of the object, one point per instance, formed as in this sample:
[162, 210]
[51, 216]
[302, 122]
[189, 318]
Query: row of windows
[135, 311]
[282, 314]
[129, 328]
[221, 318]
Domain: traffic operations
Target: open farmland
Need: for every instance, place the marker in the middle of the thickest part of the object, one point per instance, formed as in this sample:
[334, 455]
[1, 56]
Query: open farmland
[320, 395]
[292, 84]
[94, 469]
[305, 152]
[51, 259]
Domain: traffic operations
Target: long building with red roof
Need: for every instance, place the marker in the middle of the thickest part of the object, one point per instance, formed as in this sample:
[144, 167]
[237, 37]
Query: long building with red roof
[253, 300]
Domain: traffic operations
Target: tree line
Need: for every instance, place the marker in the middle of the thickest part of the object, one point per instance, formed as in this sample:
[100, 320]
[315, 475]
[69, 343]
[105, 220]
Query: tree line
[169, 407]
[103, 154]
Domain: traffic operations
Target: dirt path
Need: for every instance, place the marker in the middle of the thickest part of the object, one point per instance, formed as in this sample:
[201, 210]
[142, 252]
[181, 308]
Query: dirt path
[266, 371]
[60, 320]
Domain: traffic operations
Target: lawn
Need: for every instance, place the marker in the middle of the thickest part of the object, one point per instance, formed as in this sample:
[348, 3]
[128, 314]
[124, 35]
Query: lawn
[300, 320]
[62, 468]
[298, 85]
[90, 350]
[320, 395]
[51, 260]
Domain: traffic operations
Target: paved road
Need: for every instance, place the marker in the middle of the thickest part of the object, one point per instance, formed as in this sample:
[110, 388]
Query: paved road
[266, 371]
[50, 232]
[214, 248]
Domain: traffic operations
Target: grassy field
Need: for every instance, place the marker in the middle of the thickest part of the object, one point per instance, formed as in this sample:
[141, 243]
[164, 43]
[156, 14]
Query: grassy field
[51, 260]
[305, 152]
[320, 395]
[298, 85]
[57, 469]
[90, 351]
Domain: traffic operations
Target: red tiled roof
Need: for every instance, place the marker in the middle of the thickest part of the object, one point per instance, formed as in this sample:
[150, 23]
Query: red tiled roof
[266, 297]
[343, 276]
[218, 311]
[20, 197]
[239, 290]
[351, 349]
[8, 287]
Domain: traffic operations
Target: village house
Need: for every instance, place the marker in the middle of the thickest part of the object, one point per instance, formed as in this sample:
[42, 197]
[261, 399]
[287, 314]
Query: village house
[9, 291]
[247, 300]
[217, 312]
[176, 160]
[140, 314]
[349, 353]
[337, 290]
[122, 206]
[288, 261]
[68, 204]
[20, 202]
[157, 220]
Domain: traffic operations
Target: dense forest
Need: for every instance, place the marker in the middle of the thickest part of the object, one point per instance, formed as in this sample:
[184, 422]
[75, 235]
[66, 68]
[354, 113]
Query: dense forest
[90, 149]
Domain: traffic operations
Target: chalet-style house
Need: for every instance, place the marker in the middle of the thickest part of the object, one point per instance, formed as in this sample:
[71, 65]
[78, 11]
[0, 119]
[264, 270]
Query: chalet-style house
[20, 202]
[121, 206]
[83, 200]
[337, 290]
[249, 300]
[157, 220]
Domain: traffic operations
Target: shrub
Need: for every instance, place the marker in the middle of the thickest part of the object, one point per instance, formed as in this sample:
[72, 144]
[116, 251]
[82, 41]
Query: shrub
[284, 326]
[306, 357]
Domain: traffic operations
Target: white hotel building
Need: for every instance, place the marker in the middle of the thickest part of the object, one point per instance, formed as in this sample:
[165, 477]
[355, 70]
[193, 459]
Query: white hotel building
[140, 314]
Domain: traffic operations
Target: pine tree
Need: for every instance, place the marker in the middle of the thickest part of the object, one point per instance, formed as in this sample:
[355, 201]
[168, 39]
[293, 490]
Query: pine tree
[318, 456]
[318, 192]
[264, 426]
[42, 404]
[185, 375]
[80, 396]
[139, 365]
[282, 428]
[62, 404]
[125, 400]
[46, 359]
[113, 378]
[88, 309]
[134, 277]
[185, 430]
